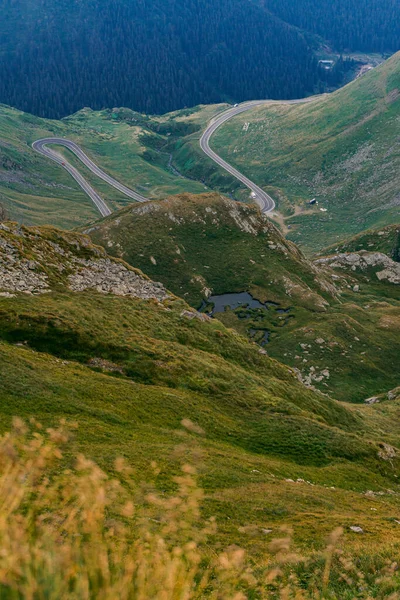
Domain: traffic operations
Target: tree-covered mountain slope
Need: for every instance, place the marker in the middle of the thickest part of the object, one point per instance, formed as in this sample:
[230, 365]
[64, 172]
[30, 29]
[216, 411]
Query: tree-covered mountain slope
[162, 55]
[341, 150]
[367, 25]
[85, 337]
[57, 57]
[337, 327]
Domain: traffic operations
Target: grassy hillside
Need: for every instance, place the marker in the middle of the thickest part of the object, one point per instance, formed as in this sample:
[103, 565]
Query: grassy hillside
[342, 150]
[131, 147]
[208, 244]
[384, 239]
[128, 369]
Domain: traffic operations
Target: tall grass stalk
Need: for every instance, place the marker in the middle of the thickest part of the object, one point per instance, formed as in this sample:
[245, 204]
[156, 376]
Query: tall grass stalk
[77, 534]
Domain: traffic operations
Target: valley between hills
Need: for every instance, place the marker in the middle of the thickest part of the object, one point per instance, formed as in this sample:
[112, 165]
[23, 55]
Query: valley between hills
[344, 142]
[290, 398]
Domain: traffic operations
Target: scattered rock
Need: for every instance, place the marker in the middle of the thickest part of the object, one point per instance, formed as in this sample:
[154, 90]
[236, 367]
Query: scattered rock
[246, 223]
[386, 452]
[18, 276]
[313, 376]
[188, 314]
[372, 400]
[106, 365]
[33, 261]
[108, 277]
[393, 394]
[356, 529]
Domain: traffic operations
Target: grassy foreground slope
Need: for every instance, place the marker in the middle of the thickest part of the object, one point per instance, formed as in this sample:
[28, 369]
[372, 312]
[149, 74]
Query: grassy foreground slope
[128, 369]
[208, 244]
[131, 147]
[342, 149]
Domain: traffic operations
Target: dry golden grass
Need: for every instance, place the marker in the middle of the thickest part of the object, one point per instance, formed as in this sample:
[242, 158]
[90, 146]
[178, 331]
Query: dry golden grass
[75, 533]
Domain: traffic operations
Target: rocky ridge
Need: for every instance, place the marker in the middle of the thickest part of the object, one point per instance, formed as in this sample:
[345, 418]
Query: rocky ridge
[40, 260]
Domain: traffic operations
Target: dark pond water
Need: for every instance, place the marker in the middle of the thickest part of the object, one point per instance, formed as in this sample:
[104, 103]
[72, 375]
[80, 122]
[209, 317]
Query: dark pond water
[244, 304]
[234, 301]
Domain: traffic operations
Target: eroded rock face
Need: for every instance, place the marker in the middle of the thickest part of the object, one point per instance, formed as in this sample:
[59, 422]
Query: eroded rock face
[363, 260]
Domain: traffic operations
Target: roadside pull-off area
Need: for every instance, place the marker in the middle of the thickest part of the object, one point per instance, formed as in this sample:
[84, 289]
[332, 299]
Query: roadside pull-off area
[41, 146]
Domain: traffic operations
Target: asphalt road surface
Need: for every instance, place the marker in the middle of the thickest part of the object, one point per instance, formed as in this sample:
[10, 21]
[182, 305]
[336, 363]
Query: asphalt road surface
[264, 200]
[41, 146]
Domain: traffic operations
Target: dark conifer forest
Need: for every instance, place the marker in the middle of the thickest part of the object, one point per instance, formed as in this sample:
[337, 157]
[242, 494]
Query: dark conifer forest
[57, 56]
[349, 25]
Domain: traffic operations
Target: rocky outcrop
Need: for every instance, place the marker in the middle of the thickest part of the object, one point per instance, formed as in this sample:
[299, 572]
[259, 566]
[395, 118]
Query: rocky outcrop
[188, 314]
[386, 452]
[22, 279]
[389, 270]
[35, 261]
[18, 274]
[393, 394]
[314, 376]
[108, 277]
[390, 395]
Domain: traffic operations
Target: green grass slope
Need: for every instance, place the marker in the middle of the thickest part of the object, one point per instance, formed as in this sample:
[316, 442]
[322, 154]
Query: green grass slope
[342, 150]
[198, 245]
[133, 148]
[129, 369]
[385, 239]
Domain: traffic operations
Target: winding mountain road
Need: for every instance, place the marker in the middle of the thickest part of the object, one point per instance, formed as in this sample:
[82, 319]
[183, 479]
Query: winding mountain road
[41, 146]
[264, 200]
